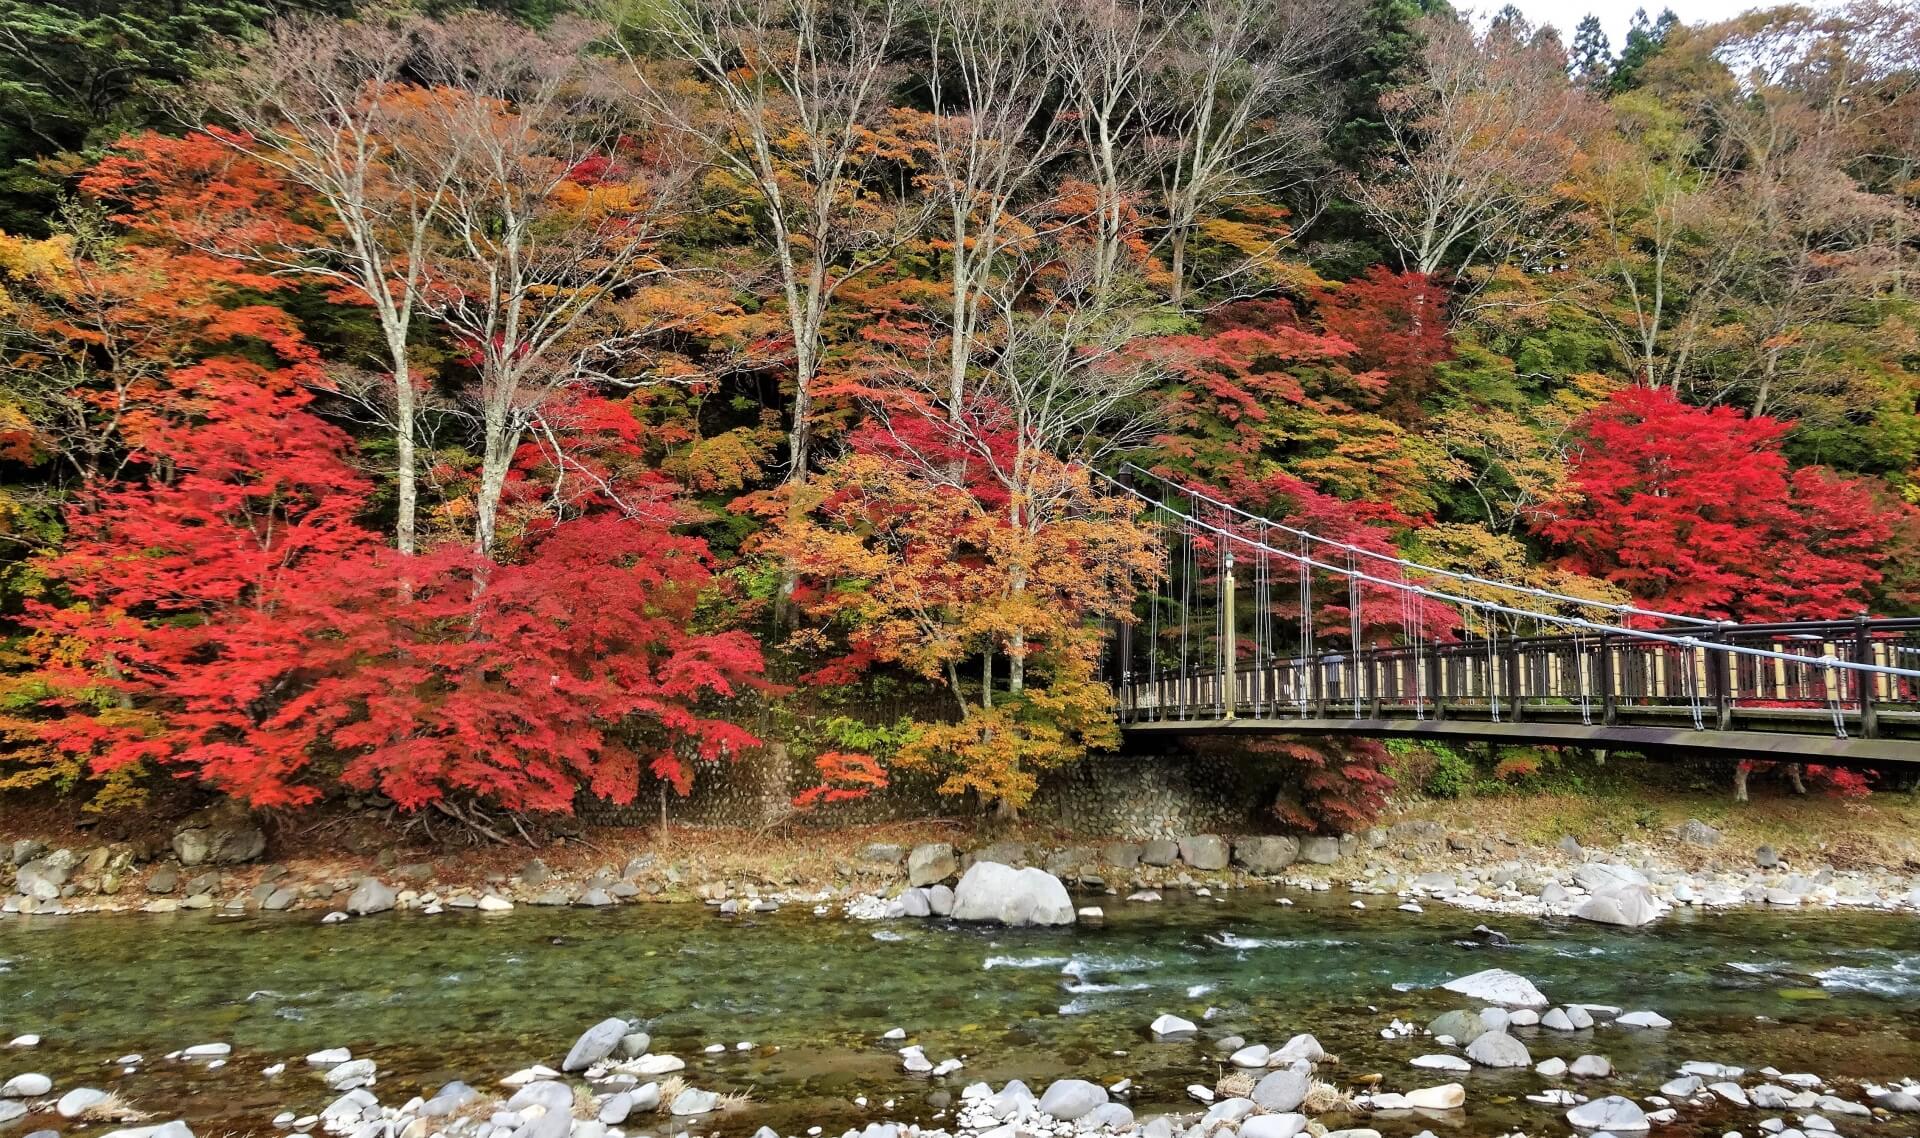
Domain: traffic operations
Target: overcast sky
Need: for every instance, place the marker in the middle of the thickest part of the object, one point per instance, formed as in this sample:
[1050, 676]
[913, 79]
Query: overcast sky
[1615, 15]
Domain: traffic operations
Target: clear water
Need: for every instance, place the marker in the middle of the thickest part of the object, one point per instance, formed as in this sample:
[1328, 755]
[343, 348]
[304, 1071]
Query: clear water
[473, 996]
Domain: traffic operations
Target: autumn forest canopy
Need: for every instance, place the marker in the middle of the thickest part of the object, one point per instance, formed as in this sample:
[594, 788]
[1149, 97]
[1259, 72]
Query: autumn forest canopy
[487, 406]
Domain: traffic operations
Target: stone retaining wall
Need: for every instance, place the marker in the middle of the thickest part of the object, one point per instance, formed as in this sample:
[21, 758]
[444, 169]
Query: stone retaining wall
[1122, 795]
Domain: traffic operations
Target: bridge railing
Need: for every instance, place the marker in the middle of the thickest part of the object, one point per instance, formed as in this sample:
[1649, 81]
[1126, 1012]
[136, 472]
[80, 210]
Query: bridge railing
[1599, 678]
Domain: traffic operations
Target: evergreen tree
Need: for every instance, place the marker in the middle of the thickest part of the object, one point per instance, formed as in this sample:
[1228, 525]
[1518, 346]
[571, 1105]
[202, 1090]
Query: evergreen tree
[1592, 55]
[1644, 41]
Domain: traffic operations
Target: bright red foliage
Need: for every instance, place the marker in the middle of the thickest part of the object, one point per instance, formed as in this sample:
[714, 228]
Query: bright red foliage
[1695, 509]
[524, 683]
[198, 585]
[844, 776]
[1397, 324]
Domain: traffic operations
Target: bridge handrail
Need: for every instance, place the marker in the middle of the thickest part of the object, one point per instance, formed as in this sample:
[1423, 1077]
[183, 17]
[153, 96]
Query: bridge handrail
[1405, 563]
[1679, 640]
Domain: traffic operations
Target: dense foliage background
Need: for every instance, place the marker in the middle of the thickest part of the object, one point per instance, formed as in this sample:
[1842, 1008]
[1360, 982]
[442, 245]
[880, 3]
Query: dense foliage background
[483, 405]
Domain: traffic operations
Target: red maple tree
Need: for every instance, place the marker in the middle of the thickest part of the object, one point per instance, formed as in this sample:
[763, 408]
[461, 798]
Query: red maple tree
[1695, 509]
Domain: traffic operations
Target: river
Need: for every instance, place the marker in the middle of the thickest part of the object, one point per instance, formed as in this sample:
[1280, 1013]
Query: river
[472, 996]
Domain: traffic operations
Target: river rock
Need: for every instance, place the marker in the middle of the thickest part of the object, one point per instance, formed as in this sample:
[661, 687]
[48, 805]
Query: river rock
[1284, 1090]
[615, 1109]
[448, 1099]
[1301, 1046]
[635, 1044]
[1253, 1056]
[1598, 877]
[1447, 1096]
[1766, 857]
[1285, 1125]
[1441, 1063]
[595, 1044]
[1068, 1099]
[370, 896]
[550, 1095]
[940, 900]
[1590, 1067]
[1204, 851]
[992, 891]
[1159, 852]
[26, 1086]
[1686, 1086]
[10, 1110]
[223, 836]
[1552, 1067]
[1694, 832]
[1498, 986]
[1115, 1117]
[931, 862]
[1462, 1027]
[351, 1074]
[1612, 1113]
[1498, 1049]
[694, 1101]
[78, 1101]
[1267, 853]
[1629, 906]
[1732, 1092]
[656, 1065]
[1320, 850]
[1643, 1019]
[915, 903]
[1168, 1026]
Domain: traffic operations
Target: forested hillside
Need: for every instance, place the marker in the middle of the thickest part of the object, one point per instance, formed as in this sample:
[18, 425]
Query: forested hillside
[489, 405]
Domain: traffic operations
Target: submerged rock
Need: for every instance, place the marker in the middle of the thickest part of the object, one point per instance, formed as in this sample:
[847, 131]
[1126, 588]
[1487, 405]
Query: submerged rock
[1612, 1113]
[1498, 986]
[1498, 1049]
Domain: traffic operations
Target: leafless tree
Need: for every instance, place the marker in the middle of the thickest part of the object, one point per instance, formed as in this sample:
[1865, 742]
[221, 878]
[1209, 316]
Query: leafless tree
[993, 133]
[1476, 147]
[1233, 110]
[324, 103]
[802, 84]
[528, 267]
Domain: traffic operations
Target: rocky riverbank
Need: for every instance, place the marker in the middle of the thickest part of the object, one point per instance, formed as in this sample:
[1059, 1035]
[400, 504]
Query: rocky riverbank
[215, 862]
[616, 1081]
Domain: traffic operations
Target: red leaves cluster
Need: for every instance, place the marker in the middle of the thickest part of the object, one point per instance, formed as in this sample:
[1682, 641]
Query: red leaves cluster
[237, 624]
[1696, 510]
[844, 776]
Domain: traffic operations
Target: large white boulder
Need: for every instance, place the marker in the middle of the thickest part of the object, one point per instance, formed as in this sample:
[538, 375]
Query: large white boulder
[1629, 906]
[991, 891]
[1499, 986]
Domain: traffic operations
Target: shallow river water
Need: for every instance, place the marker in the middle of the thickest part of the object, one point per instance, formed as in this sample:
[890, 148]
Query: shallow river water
[472, 996]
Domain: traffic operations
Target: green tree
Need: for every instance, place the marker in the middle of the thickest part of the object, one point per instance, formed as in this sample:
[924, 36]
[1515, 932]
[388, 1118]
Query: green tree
[1644, 41]
[78, 74]
[1592, 55]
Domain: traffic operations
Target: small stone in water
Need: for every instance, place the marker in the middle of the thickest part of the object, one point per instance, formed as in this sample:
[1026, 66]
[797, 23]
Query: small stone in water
[743, 1046]
[716, 1048]
[276, 1069]
[24, 1041]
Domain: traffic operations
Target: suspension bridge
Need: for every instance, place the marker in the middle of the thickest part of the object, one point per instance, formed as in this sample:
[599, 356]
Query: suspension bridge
[1257, 626]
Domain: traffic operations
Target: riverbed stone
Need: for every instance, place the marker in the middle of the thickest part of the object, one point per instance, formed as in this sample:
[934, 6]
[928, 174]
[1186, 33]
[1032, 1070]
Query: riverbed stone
[1266, 853]
[1462, 1027]
[1629, 906]
[992, 891]
[1446, 1096]
[1652, 1020]
[1590, 1067]
[931, 862]
[1068, 1099]
[1252, 1056]
[32, 1085]
[223, 836]
[694, 1101]
[11, 1110]
[1613, 1113]
[1302, 1046]
[1285, 1125]
[1498, 1049]
[78, 1101]
[940, 900]
[915, 903]
[1498, 986]
[596, 1043]
[1766, 857]
[1441, 1063]
[1169, 1026]
[1204, 851]
[1160, 852]
[1122, 855]
[1285, 1089]
[353, 1073]
[370, 896]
